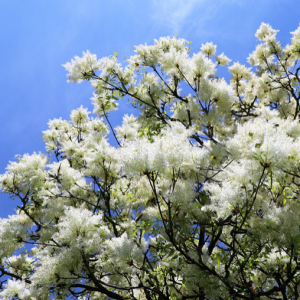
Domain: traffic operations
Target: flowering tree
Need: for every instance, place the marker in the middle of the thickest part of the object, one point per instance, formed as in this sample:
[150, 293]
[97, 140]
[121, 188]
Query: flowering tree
[199, 200]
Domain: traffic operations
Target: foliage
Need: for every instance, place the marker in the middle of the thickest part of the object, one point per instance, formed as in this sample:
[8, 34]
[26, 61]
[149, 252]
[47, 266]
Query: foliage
[199, 200]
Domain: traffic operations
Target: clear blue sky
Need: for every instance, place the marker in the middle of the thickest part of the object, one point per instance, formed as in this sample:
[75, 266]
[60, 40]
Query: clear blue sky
[37, 37]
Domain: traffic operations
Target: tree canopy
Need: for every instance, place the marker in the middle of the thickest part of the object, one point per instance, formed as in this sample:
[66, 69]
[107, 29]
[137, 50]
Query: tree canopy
[197, 197]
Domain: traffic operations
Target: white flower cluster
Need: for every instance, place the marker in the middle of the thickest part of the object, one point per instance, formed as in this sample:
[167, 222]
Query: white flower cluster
[170, 150]
[200, 199]
[296, 36]
[82, 67]
[12, 234]
[26, 174]
[15, 288]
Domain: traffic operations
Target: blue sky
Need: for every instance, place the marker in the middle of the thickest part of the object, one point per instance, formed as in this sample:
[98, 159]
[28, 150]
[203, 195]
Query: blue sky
[37, 37]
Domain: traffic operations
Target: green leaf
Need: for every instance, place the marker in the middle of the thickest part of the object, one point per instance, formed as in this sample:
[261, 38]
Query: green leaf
[136, 230]
[295, 240]
[130, 200]
[296, 48]
[251, 134]
[258, 145]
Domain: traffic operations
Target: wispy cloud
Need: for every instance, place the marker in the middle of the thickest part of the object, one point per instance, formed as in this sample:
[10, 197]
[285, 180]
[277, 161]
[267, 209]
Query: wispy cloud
[174, 13]
[203, 18]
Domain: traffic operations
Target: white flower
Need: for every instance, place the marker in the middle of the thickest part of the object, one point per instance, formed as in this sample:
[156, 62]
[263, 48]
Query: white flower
[129, 128]
[12, 234]
[15, 288]
[239, 71]
[125, 249]
[223, 60]
[80, 225]
[79, 115]
[262, 56]
[201, 67]
[82, 67]
[19, 264]
[209, 49]
[296, 36]
[174, 62]
[266, 33]
[27, 172]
